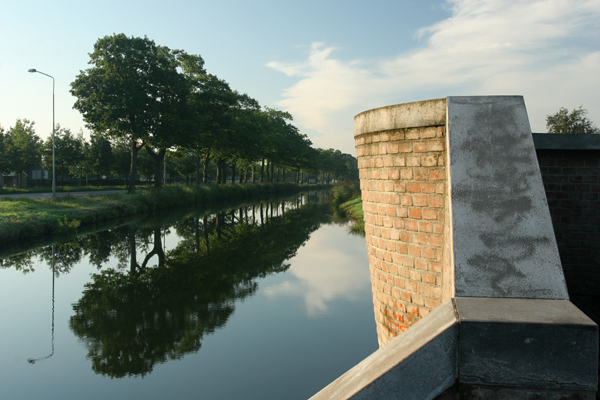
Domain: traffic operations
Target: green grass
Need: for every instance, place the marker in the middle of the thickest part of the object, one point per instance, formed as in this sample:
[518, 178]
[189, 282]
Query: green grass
[66, 189]
[22, 218]
[353, 208]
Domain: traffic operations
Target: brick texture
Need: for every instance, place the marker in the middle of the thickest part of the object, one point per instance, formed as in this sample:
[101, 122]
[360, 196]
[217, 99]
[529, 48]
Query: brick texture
[572, 183]
[404, 184]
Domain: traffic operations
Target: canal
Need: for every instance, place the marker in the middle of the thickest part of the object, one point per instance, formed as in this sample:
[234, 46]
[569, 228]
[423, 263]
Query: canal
[258, 301]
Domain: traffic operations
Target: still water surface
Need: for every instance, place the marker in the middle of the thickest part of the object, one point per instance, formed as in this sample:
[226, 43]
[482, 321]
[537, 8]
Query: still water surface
[263, 301]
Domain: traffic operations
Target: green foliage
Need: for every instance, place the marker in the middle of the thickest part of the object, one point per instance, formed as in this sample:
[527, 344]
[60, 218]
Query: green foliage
[354, 210]
[342, 192]
[23, 218]
[133, 91]
[574, 122]
[3, 157]
[69, 152]
[22, 148]
[65, 227]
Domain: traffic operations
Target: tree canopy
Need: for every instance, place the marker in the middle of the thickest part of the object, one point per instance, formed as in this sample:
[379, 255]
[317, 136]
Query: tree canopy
[139, 96]
[574, 122]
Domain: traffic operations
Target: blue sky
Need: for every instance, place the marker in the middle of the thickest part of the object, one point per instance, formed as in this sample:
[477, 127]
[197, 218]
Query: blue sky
[323, 61]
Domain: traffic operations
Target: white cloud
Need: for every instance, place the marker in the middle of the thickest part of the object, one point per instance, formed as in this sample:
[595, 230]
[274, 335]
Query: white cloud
[330, 266]
[546, 50]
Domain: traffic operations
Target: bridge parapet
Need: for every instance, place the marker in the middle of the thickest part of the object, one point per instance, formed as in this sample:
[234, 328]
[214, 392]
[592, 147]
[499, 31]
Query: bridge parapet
[457, 223]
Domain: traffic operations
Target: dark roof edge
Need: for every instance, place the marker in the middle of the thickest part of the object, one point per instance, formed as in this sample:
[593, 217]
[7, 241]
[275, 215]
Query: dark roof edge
[560, 141]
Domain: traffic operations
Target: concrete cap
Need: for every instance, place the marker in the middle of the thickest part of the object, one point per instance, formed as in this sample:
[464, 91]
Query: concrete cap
[561, 141]
[533, 311]
[400, 116]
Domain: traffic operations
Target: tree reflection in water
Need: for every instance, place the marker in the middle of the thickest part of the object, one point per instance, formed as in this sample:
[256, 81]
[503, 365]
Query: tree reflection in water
[132, 320]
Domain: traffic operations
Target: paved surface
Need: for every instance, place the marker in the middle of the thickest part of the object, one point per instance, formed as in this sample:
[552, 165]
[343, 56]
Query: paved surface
[63, 194]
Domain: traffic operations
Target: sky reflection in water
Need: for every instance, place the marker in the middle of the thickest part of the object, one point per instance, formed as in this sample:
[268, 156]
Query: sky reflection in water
[297, 332]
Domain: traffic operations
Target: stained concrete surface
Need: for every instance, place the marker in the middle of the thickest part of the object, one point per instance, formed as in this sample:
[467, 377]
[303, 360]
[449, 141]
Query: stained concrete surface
[504, 243]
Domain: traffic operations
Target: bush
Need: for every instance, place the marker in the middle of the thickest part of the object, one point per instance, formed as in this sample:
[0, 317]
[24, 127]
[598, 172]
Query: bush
[344, 191]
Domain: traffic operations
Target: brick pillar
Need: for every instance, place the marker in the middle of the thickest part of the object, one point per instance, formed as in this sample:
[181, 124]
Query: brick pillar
[404, 186]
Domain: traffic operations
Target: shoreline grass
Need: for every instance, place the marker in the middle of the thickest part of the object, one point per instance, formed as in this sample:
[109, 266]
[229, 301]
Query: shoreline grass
[66, 189]
[23, 218]
[354, 210]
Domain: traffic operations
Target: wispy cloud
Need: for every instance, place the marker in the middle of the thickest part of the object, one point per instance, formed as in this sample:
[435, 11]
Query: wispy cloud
[546, 50]
[323, 271]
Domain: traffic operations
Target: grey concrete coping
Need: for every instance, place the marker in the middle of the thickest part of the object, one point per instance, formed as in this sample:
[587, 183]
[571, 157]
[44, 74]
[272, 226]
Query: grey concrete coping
[504, 243]
[486, 342]
[419, 364]
[527, 343]
[557, 141]
[401, 116]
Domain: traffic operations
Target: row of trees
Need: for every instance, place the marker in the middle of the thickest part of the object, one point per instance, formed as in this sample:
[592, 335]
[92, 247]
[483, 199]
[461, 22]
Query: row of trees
[154, 98]
[21, 149]
[147, 101]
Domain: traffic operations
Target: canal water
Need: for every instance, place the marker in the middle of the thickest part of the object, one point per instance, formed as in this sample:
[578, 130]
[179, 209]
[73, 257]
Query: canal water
[258, 301]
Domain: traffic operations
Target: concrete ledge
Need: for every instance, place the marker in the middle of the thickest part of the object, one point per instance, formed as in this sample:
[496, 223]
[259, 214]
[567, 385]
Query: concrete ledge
[401, 116]
[554, 141]
[527, 343]
[419, 364]
[522, 348]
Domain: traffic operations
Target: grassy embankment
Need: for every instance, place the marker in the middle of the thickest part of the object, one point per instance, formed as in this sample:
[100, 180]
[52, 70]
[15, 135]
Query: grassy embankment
[22, 218]
[66, 189]
[346, 199]
[354, 210]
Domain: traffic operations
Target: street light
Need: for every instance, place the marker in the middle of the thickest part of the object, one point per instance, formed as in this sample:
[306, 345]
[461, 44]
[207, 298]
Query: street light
[53, 163]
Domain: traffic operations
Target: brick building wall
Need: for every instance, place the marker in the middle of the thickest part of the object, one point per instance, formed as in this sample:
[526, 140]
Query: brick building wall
[404, 185]
[570, 167]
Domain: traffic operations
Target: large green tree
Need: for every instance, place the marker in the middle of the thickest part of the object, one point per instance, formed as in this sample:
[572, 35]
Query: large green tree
[132, 92]
[574, 122]
[3, 158]
[99, 156]
[22, 148]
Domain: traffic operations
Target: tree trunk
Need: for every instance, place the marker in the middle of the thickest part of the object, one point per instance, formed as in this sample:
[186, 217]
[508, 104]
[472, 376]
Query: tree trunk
[205, 171]
[133, 167]
[158, 159]
[218, 165]
[268, 176]
[233, 173]
[133, 265]
[262, 170]
[197, 169]
[205, 232]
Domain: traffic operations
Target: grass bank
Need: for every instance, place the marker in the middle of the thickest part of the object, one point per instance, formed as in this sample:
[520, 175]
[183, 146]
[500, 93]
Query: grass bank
[346, 200]
[353, 209]
[66, 189]
[23, 218]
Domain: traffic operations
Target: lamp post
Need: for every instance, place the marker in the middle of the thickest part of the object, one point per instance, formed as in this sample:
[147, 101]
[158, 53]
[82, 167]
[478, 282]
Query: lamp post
[53, 147]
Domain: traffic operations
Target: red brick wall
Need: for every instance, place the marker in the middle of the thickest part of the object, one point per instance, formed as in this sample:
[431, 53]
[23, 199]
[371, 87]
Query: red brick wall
[572, 183]
[404, 187]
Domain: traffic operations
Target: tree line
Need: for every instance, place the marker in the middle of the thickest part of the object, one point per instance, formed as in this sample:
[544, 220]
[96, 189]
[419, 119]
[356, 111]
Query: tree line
[143, 102]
